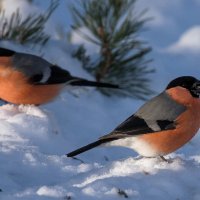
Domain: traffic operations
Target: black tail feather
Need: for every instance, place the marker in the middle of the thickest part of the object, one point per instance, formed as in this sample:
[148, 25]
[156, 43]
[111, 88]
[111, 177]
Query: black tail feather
[83, 82]
[89, 146]
[85, 148]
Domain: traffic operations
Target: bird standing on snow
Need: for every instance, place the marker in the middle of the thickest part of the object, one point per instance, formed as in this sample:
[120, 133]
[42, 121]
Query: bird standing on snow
[29, 79]
[160, 126]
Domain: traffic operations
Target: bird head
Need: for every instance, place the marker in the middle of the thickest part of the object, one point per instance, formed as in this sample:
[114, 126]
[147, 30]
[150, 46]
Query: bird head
[188, 82]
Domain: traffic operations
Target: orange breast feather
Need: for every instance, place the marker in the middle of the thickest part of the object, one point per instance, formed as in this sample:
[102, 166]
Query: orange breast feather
[15, 87]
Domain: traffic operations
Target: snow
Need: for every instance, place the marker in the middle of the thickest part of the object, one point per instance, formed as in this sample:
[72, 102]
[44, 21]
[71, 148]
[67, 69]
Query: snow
[77, 39]
[188, 42]
[34, 140]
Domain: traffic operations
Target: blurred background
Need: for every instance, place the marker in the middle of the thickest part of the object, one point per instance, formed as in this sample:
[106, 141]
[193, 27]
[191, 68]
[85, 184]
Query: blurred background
[141, 44]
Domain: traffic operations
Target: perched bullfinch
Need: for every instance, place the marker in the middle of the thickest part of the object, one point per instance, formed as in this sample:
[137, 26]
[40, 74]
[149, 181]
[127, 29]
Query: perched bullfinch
[29, 79]
[161, 125]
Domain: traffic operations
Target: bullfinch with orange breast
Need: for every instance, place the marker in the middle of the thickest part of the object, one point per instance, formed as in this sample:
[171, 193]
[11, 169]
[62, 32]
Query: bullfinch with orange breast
[29, 79]
[162, 125]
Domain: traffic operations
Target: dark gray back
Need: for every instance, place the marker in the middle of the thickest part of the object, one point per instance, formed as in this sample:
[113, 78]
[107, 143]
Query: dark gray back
[161, 107]
[31, 65]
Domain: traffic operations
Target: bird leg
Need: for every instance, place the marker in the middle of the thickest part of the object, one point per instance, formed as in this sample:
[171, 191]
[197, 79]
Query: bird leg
[4, 102]
[78, 159]
[165, 160]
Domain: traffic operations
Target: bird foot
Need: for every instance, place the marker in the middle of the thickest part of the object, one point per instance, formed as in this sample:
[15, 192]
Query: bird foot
[139, 157]
[78, 159]
[162, 158]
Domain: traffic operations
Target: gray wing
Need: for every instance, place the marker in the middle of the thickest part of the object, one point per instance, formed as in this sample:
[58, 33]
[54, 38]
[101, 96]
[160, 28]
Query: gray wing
[34, 67]
[156, 115]
[39, 70]
[160, 108]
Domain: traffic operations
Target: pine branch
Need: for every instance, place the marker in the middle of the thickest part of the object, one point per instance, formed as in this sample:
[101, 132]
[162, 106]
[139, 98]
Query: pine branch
[28, 30]
[114, 26]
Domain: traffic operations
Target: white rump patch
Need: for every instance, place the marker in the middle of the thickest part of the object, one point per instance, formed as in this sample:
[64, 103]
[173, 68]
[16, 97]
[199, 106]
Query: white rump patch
[138, 145]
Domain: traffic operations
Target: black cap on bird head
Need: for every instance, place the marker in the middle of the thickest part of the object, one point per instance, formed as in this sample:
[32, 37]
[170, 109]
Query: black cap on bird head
[189, 82]
[6, 52]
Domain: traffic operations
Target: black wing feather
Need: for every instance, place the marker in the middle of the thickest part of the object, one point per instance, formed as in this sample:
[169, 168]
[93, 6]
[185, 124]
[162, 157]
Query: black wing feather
[133, 124]
[6, 52]
[58, 75]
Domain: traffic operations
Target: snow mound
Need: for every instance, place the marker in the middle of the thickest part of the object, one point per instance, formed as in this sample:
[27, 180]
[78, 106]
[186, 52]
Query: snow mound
[189, 42]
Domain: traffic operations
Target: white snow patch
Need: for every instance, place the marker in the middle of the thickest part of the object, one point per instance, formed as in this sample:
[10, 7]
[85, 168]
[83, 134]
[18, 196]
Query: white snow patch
[25, 193]
[11, 6]
[129, 167]
[78, 39]
[113, 191]
[189, 42]
[81, 168]
[54, 191]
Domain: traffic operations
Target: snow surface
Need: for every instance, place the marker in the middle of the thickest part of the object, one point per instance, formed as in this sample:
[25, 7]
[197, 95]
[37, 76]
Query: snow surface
[34, 140]
[189, 41]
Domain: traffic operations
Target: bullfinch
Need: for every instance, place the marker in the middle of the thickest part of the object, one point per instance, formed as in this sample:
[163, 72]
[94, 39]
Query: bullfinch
[162, 125]
[29, 79]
